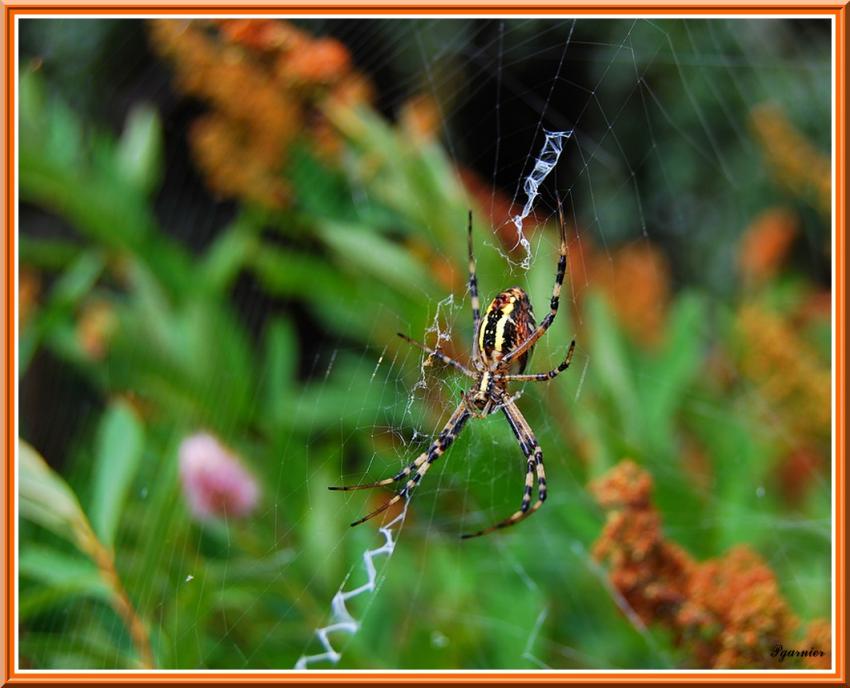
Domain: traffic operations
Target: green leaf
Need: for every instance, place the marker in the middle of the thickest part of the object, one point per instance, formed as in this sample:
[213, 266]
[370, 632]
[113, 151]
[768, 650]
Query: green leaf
[377, 256]
[139, 154]
[52, 567]
[321, 191]
[31, 103]
[322, 530]
[229, 253]
[48, 254]
[74, 284]
[609, 362]
[61, 576]
[666, 379]
[78, 280]
[281, 360]
[120, 441]
[47, 500]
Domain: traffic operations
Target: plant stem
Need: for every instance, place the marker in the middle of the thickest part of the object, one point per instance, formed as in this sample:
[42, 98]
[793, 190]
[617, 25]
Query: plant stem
[105, 562]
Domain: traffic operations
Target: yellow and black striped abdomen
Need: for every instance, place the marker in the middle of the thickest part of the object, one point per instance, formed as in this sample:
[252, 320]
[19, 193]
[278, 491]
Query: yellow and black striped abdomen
[507, 323]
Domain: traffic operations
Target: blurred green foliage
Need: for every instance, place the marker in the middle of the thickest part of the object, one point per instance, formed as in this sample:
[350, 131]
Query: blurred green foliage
[173, 355]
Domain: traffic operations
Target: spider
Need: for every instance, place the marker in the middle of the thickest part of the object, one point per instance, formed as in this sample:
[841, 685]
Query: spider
[503, 343]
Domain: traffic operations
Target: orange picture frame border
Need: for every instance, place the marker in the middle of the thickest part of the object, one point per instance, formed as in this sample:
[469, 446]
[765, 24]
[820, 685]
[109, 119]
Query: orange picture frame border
[14, 9]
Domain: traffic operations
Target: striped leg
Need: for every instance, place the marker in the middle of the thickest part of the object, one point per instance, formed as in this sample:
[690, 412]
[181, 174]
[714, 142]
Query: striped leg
[473, 292]
[439, 355]
[534, 455]
[543, 377]
[419, 467]
[553, 304]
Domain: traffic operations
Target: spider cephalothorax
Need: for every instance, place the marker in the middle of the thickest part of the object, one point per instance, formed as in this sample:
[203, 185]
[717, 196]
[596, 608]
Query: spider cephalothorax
[501, 347]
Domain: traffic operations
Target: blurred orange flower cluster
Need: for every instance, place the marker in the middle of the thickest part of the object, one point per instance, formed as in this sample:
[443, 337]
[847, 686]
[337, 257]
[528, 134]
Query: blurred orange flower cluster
[634, 279]
[787, 372]
[792, 380]
[766, 243]
[96, 326]
[793, 385]
[420, 118]
[266, 82]
[727, 612]
[797, 164]
[29, 288]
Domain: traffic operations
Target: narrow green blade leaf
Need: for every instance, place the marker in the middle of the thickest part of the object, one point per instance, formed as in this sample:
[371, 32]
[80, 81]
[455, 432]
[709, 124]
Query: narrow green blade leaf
[119, 449]
[46, 499]
[139, 154]
[281, 361]
[62, 576]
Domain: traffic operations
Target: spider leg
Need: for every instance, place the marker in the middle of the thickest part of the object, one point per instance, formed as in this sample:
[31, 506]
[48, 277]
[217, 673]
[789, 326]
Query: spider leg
[419, 467]
[553, 304]
[543, 377]
[407, 470]
[473, 291]
[534, 456]
[439, 355]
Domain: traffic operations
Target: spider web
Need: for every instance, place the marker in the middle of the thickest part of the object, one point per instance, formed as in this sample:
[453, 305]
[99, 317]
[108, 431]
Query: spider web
[620, 119]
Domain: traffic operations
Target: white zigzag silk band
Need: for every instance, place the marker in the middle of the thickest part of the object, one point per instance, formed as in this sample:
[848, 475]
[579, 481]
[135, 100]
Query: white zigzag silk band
[546, 161]
[341, 620]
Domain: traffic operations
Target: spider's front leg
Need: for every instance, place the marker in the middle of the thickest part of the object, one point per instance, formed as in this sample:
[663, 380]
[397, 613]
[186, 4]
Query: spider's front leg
[553, 303]
[467, 399]
[545, 377]
[439, 355]
[473, 292]
[419, 466]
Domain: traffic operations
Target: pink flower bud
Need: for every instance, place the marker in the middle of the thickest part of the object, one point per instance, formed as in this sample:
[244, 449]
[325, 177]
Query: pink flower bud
[215, 483]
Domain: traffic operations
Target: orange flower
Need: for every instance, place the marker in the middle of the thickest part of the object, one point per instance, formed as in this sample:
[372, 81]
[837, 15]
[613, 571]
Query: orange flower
[739, 594]
[818, 638]
[255, 34]
[322, 62]
[649, 572]
[766, 243]
[787, 373]
[420, 119]
[728, 612]
[96, 327]
[444, 271]
[797, 164]
[29, 286]
[816, 309]
[798, 469]
[266, 82]
[636, 280]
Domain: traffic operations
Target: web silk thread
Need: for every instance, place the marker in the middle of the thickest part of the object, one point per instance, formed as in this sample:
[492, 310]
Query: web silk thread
[341, 620]
[545, 163]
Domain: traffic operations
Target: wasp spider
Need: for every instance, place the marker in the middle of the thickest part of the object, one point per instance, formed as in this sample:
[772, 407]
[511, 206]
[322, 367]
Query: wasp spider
[504, 340]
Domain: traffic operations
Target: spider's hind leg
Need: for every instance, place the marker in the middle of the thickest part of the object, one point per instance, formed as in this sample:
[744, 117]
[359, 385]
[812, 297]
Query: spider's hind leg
[534, 457]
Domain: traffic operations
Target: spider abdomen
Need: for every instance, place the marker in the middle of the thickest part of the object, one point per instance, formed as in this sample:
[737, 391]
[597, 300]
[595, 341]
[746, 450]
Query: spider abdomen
[507, 323]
